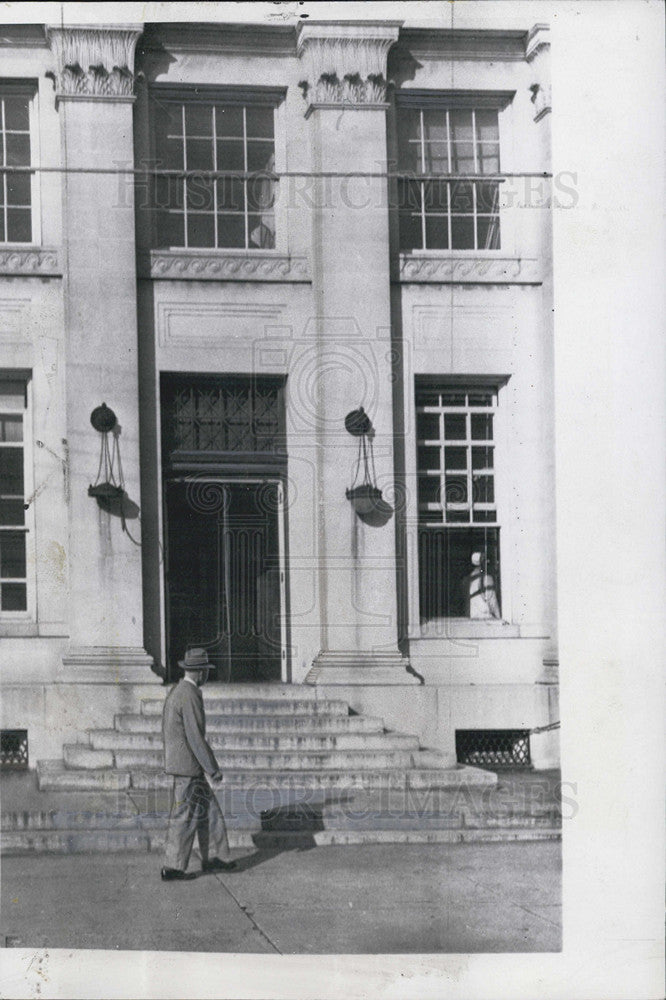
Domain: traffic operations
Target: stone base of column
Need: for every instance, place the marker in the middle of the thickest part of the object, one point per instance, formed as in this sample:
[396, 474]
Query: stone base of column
[357, 667]
[107, 665]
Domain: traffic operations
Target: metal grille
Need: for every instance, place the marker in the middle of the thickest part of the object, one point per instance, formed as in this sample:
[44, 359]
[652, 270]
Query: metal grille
[14, 749]
[241, 415]
[493, 747]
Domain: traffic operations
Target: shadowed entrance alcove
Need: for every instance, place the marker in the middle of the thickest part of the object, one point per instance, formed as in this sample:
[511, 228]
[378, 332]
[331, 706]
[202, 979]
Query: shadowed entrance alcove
[224, 464]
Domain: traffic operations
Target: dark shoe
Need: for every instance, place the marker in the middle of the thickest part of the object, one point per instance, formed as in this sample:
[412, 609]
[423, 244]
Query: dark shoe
[216, 865]
[176, 875]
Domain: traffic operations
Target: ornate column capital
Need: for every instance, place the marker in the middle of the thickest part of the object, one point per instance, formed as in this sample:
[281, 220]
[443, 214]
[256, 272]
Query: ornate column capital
[94, 62]
[345, 64]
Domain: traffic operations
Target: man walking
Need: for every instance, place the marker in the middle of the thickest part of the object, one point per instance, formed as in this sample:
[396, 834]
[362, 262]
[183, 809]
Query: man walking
[188, 758]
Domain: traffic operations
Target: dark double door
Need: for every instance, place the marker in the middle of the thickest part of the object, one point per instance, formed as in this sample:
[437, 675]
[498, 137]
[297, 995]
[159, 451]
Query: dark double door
[224, 577]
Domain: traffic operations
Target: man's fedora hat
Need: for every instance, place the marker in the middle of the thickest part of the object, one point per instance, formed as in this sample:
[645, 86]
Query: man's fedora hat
[195, 659]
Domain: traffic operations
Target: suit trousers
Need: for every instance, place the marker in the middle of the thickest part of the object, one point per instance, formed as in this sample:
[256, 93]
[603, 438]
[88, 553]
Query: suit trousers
[194, 810]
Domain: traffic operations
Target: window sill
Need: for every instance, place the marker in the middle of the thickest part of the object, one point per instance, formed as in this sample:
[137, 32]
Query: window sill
[466, 628]
[466, 267]
[223, 265]
[29, 629]
[28, 259]
[18, 628]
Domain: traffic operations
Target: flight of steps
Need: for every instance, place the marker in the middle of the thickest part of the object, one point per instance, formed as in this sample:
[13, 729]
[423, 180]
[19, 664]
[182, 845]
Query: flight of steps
[297, 769]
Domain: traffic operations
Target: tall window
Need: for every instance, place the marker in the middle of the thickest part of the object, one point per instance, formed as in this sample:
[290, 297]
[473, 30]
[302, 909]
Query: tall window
[15, 188]
[458, 525]
[13, 529]
[200, 210]
[448, 214]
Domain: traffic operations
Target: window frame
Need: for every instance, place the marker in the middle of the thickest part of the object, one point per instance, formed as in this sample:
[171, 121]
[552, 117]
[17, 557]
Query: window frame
[231, 96]
[29, 88]
[30, 613]
[447, 101]
[501, 525]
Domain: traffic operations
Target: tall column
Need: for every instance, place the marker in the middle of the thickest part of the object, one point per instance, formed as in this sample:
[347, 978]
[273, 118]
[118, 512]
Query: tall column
[345, 89]
[94, 94]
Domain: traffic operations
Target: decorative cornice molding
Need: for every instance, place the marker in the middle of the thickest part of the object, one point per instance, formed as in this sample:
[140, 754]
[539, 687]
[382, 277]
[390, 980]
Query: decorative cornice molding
[416, 97]
[345, 64]
[94, 62]
[30, 261]
[219, 38]
[23, 36]
[466, 269]
[538, 40]
[211, 265]
[416, 44]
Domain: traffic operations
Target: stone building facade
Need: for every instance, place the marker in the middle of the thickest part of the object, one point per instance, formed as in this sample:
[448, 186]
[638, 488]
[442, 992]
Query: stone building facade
[309, 271]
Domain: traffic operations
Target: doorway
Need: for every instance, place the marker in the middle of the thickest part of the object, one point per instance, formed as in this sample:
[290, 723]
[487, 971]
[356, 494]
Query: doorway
[224, 575]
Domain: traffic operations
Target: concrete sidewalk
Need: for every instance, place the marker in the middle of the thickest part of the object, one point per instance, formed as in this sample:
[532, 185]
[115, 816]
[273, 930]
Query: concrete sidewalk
[394, 898]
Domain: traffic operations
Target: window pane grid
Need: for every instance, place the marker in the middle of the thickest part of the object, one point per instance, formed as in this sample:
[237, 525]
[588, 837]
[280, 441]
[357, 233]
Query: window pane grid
[458, 530]
[236, 212]
[468, 149]
[15, 190]
[455, 456]
[13, 532]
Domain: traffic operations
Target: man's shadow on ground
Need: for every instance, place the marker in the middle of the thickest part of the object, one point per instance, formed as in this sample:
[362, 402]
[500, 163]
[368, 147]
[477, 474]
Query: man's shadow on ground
[287, 828]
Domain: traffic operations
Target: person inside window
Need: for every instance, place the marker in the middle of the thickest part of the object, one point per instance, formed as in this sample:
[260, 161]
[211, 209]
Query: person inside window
[479, 594]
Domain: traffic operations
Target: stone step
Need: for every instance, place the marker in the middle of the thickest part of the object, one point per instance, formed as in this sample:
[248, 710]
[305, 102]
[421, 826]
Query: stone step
[81, 756]
[261, 723]
[329, 820]
[53, 775]
[107, 810]
[521, 807]
[122, 841]
[272, 812]
[112, 739]
[258, 706]
[268, 691]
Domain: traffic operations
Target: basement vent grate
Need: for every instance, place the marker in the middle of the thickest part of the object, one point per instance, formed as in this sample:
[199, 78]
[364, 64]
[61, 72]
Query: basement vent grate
[14, 749]
[493, 747]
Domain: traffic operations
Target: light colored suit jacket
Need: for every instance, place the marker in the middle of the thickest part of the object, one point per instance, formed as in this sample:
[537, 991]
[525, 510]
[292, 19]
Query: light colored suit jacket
[186, 750]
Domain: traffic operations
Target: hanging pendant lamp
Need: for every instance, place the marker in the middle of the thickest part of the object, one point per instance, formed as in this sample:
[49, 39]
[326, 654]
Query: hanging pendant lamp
[105, 487]
[364, 496]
